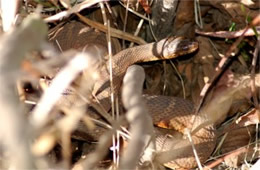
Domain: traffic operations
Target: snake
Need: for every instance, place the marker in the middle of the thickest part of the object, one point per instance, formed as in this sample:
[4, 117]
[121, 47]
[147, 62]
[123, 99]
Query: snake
[171, 115]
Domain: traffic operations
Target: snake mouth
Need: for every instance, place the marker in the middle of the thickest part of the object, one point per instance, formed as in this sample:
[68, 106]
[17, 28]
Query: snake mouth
[178, 46]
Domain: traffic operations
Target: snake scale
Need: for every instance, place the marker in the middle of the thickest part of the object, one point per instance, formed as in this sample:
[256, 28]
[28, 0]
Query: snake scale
[171, 112]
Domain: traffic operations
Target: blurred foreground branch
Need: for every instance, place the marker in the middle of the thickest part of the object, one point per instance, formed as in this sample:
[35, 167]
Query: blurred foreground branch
[81, 62]
[13, 125]
[141, 126]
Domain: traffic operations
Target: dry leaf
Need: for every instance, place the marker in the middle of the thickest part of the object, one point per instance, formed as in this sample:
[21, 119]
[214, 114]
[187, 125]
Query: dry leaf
[251, 118]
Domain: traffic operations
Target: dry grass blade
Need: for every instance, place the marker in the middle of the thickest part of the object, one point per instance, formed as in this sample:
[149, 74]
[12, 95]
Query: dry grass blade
[125, 21]
[136, 13]
[133, 116]
[137, 31]
[103, 11]
[114, 32]
[101, 150]
[188, 134]
[65, 127]
[253, 86]
[115, 115]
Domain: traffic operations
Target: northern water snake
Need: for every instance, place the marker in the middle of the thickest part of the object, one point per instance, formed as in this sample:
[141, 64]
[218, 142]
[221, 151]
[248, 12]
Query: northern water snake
[175, 113]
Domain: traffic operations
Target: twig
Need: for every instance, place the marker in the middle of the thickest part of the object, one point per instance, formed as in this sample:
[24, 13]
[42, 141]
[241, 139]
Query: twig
[114, 32]
[231, 154]
[136, 13]
[221, 66]
[253, 87]
[230, 35]
[74, 9]
[253, 82]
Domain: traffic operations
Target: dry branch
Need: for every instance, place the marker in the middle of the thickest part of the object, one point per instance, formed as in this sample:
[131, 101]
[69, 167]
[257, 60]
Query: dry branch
[137, 117]
[77, 8]
[81, 62]
[13, 125]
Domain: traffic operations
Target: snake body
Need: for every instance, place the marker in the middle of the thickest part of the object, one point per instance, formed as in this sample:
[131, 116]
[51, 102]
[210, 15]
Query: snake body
[173, 113]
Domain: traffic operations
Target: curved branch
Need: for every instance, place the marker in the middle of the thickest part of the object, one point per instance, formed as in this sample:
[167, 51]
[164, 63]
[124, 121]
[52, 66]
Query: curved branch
[137, 117]
[13, 125]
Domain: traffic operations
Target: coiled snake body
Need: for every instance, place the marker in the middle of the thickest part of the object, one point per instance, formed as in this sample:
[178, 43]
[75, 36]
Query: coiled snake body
[173, 113]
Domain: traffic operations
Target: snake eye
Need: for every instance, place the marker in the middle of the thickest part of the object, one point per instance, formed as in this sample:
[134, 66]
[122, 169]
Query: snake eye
[187, 46]
[178, 46]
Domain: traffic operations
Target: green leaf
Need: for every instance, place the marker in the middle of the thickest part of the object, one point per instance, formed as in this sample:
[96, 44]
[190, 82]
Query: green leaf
[242, 6]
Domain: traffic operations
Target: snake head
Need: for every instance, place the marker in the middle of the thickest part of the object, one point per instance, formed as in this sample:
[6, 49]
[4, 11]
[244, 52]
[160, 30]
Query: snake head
[178, 46]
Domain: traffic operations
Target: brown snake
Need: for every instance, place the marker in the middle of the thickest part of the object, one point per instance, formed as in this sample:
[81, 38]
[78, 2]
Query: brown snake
[174, 113]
